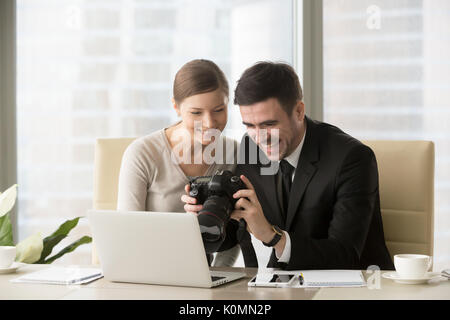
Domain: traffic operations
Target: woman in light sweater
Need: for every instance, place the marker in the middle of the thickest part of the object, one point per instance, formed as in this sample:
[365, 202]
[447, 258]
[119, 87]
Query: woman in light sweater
[156, 168]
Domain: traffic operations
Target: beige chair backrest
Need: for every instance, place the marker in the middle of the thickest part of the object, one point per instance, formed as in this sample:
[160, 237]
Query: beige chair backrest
[107, 161]
[406, 174]
[406, 180]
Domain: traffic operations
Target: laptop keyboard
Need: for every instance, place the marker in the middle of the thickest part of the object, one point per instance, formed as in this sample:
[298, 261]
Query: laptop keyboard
[214, 278]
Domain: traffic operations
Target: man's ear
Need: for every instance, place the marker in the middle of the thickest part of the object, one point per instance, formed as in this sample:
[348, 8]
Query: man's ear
[299, 110]
[176, 107]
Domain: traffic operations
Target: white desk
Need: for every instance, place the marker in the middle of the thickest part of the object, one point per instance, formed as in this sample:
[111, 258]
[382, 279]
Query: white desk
[237, 290]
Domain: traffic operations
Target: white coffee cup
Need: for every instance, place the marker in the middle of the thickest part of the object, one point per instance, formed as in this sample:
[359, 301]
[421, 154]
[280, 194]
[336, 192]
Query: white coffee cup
[412, 266]
[7, 256]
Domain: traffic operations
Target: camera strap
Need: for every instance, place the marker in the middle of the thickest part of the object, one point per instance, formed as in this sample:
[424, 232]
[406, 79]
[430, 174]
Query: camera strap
[245, 242]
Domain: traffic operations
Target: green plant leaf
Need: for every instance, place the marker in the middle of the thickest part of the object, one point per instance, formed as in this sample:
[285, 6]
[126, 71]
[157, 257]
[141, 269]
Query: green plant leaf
[65, 228]
[6, 236]
[71, 247]
[49, 243]
[52, 240]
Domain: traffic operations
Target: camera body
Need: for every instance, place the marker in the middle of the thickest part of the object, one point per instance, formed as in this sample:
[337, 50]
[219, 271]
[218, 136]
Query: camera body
[215, 193]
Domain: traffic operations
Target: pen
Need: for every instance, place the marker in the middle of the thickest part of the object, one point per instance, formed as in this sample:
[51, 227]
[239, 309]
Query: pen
[301, 279]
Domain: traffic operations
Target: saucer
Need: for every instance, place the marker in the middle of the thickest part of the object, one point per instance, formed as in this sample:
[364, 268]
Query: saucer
[12, 268]
[425, 278]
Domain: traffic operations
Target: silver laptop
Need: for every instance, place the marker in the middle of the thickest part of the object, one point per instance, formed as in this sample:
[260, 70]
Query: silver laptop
[162, 248]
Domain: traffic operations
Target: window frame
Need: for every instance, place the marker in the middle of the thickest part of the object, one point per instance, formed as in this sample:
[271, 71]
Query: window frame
[309, 50]
[8, 140]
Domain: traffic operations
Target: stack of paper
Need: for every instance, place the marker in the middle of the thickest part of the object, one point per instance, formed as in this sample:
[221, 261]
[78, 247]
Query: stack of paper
[333, 278]
[61, 275]
[327, 278]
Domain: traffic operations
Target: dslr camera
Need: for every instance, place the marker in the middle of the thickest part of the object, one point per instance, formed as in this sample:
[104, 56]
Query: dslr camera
[215, 193]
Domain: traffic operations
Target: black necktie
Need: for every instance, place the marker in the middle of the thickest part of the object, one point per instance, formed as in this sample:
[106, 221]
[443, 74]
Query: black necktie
[286, 171]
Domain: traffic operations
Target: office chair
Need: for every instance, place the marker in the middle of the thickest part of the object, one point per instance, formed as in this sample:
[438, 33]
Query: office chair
[406, 182]
[107, 161]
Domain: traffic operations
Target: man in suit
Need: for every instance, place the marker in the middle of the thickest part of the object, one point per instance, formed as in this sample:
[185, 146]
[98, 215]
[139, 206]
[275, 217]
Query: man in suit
[321, 210]
[312, 190]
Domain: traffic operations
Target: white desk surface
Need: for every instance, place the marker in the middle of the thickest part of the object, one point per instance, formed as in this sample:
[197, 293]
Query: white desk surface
[237, 290]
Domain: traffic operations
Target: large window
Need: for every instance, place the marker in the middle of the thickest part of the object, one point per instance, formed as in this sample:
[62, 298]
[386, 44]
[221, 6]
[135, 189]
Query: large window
[103, 68]
[387, 76]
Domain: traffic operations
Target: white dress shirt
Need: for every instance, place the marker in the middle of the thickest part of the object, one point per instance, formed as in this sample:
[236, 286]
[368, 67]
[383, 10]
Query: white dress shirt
[293, 161]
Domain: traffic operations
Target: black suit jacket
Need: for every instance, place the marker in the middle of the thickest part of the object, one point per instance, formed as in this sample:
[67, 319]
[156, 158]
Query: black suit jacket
[333, 219]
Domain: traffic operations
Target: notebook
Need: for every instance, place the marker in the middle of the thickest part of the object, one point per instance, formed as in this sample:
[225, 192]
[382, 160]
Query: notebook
[61, 275]
[332, 278]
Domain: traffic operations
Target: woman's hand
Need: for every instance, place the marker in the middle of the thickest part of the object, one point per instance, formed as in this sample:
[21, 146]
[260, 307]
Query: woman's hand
[190, 202]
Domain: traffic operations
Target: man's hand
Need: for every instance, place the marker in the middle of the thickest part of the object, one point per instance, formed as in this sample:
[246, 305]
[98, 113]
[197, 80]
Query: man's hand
[249, 208]
[190, 202]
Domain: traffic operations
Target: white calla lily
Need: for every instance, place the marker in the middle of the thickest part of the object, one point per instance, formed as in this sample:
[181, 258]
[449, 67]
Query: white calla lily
[7, 200]
[30, 249]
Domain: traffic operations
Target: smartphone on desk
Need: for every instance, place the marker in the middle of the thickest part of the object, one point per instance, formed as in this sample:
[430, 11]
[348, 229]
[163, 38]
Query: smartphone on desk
[272, 280]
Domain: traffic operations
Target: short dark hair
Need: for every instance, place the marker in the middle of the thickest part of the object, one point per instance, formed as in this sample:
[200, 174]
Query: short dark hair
[266, 80]
[198, 76]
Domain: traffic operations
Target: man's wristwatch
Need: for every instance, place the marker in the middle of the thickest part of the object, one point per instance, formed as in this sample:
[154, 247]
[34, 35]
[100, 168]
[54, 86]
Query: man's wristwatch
[276, 237]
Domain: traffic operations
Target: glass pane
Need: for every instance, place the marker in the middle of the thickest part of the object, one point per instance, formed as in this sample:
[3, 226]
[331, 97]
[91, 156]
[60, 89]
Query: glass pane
[387, 76]
[104, 68]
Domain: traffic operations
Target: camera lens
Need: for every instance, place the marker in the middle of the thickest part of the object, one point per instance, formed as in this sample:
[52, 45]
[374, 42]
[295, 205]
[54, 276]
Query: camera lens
[210, 226]
[212, 220]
